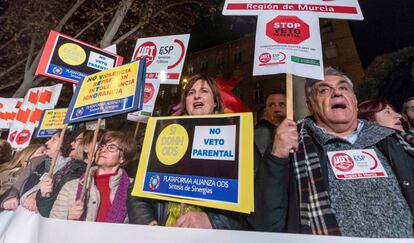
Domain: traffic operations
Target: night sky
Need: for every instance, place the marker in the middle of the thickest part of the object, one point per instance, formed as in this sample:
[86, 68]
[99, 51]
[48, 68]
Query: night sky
[387, 27]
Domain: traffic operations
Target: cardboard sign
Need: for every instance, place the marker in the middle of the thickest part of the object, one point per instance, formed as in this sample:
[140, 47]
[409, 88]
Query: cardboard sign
[71, 60]
[288, 44]
[8, 111]
[356, 164]
[30, 114]
[199, 160]
[333, 9]
[51, 121]
[164, 55]
[108, 93]
[152, 87]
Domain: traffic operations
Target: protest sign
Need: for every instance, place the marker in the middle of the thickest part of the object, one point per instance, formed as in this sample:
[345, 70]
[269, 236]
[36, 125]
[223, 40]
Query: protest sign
[71, 60]
[164, 55]
[30, 113]
[51, 121]
[333, 9]
[199, 160]
[108, 93]
[288, 44]
[8, 111]
[150, 96]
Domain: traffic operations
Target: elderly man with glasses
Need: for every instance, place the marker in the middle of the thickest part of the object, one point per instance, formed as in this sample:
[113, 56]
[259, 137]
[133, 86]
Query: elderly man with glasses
[333, 174]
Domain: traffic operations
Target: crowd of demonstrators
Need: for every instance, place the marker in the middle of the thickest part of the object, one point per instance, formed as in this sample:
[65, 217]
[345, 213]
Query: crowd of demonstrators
[5, 151]
[74, 169]
[201, 96]
[27, 184]
[300, 193]
[296, 188]
[108, 186]
[264, 131]
[10, 170]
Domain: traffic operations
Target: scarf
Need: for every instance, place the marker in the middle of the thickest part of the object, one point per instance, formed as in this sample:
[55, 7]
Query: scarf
[316, 214]
[118, 211]
[174, 212]
[406, 139]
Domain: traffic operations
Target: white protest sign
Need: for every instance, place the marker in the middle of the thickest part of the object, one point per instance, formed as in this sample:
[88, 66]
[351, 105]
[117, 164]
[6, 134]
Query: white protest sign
[164, 55]
[214, 142]
[356, 164]
[151, 90]
[334, 9]
[8, 111]
[288, 44]
[30, 113]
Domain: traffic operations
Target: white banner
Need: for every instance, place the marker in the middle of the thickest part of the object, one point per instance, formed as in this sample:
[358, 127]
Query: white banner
[288, 44]
[164, 55]
[30, 112]
[333, 9]
[28, 227]
[8, 111]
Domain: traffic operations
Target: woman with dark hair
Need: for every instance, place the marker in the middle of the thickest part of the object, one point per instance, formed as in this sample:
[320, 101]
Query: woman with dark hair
[381, 112]
[27, 184]
[201, 96]
[108, 185]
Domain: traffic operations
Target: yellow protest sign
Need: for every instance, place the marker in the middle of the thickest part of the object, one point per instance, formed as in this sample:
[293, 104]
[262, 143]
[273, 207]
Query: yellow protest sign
[51, 121]
[199, 160]
[107, 93]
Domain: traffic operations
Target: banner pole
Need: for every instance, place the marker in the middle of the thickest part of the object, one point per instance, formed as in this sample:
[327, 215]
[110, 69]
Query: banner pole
[136, 130]
[91, 157]
[289, 96]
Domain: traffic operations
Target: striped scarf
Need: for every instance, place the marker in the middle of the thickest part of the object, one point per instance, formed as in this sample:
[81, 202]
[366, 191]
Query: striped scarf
[316, 214]
[406, 139]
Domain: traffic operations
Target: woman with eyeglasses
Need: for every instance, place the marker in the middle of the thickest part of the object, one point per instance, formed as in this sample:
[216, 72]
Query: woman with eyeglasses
[74, 169]
[105, 199]
[201, 96]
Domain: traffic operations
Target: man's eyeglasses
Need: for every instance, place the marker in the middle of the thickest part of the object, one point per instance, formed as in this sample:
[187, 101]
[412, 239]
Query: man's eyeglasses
[109, 147]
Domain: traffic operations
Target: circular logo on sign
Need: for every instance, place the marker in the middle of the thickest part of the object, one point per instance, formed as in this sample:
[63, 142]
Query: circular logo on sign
[154, 182]
[172, 143]
[72, 54]
[265, 57]
[23, 137]
[342, 162]
[148, 92]
[57, 70]
[147, 50]
[79, 112]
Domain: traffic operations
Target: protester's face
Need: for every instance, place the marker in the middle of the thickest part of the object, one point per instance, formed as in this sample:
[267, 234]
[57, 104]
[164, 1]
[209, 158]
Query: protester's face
[39, 152]
[334, 103]
[52, 145]
[200, 99]
[75, 146]
[109, 155]
[275, 110]
[409, 116]
[389, 118]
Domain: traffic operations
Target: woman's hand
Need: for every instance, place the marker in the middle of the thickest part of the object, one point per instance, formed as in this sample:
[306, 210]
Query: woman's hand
[11, 203]
[46, 186]
[76, 210]
[30, 202]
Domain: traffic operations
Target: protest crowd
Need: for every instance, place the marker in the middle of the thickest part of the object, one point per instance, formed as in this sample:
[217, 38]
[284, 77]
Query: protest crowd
[296, 189]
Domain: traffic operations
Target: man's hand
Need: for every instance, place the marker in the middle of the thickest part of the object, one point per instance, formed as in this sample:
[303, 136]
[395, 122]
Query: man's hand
[76, 210]
[30, 202]
[194, 220]
[286, 139]
[11, 203]
[46, 186]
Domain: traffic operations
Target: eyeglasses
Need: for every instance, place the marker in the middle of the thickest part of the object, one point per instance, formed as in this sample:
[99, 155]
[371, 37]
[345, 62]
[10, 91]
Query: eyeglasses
[327, 90]
[109, 147]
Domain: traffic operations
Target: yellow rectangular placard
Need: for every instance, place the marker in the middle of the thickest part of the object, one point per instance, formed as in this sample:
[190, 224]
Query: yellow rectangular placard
[114, 91]
[51, 121]
[199, 160]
